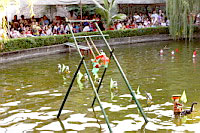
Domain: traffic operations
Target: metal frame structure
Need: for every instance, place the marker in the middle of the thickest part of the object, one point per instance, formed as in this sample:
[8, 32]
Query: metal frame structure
[112, 55]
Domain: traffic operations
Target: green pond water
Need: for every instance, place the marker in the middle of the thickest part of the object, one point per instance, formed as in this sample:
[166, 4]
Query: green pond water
[32, 90]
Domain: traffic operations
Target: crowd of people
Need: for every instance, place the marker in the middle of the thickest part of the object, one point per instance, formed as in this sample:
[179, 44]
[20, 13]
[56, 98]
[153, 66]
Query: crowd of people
[44, 27]
[141, 20]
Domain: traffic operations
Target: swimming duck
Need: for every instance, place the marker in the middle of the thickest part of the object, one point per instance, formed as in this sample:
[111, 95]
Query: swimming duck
[63, 69]
[188, 111]
[172, 52]
[115, 85]
[67, 69]
[59, 68]
[161, 52]
[86, 76]
[149, 98]
[194, 54]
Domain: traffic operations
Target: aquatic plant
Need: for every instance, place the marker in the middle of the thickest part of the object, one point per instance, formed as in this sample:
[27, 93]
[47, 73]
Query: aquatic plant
[181, 14]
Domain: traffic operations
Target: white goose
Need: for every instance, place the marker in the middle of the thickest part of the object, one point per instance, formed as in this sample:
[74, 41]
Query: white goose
[63, 69]
[86, 76]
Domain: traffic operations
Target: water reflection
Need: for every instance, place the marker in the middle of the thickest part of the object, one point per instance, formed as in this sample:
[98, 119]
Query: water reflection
[62, 125]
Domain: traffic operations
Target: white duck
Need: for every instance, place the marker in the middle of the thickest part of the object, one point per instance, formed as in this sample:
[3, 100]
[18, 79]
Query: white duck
[63, 69]
[138, 94]
[149, 98]
[86, 76]
[59, 68]
[67, 69]
[172, 53]
[161, 52]
[115, 85]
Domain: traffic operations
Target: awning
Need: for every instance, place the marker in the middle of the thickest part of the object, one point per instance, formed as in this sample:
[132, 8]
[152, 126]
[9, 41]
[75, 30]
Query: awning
[72, 2]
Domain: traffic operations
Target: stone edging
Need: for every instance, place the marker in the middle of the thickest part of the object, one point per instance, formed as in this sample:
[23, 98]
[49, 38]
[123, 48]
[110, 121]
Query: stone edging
[36, 52]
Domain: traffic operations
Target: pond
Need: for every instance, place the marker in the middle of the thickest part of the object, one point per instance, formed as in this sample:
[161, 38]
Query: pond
[32, 90]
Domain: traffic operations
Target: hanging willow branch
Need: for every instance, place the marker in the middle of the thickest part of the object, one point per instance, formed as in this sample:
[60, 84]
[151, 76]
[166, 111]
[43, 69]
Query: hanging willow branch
[30, 4]
[181, 14]
[4, 4]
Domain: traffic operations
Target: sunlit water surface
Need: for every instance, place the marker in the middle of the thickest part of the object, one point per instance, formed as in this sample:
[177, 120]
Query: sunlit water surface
[32, 90]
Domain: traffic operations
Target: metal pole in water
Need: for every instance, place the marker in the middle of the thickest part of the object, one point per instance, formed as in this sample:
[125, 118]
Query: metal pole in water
[68, 91]
[101, 79]
[123, 75]
[91, 81]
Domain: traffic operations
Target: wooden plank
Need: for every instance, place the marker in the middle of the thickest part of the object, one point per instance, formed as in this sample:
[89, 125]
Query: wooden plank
[80, 46]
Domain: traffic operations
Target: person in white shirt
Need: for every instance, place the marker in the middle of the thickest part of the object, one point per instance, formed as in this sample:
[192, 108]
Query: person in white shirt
[146, 22]
[198, 19]
[119, 26]
[49, 31]
[154, 17]
[140, 25]
[137, 18]
[167, 22]
[14, 33]
[163, 23]
[86, 28]
[67, 30]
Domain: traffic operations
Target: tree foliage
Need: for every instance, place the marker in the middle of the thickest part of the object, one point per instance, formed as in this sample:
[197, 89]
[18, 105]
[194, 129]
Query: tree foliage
[181, 14]
[87, 10]
[109, 11]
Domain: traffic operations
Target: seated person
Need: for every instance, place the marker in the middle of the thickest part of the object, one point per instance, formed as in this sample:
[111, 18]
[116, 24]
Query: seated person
[28, 32]
[86, 29]
[14, 33]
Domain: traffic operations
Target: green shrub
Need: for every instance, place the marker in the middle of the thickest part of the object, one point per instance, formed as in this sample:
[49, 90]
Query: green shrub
[32, 42]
